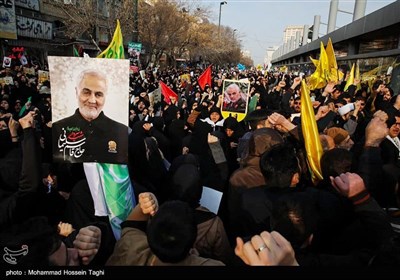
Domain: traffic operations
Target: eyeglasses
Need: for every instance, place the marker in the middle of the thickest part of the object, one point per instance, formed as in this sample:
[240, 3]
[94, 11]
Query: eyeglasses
[362, 104]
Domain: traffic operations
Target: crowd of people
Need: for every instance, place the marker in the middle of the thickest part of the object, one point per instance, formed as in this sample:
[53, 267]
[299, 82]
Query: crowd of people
[271, 212]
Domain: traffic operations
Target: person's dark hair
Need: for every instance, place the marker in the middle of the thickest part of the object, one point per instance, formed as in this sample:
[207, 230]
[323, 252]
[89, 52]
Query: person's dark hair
[390, 90]
[144, 101]
[185, 185]
[294, 216]
[360, 92]
[335, 162]
[231, 123]
[338, 87]
[215, 109]
[172, 231]
[257, 116]
[376, 84]
[278, 165]
[361, 98]
[341, 101]
[153, 154]
[35, 236]
[392, 118]
[346, 95]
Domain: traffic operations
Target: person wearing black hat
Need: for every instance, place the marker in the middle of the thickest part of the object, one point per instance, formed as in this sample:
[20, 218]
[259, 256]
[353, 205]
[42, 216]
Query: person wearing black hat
[256, 119]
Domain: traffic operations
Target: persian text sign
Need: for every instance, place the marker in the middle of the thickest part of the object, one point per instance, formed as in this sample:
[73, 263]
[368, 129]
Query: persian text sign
[29, 4]
[34, 28]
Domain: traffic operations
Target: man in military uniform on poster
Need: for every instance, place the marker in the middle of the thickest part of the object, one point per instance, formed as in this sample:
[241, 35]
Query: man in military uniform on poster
[89, 135]
[234, 99]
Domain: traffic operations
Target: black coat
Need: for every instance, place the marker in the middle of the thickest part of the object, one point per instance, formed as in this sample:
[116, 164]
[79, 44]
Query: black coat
[101, 140]
[390, 153]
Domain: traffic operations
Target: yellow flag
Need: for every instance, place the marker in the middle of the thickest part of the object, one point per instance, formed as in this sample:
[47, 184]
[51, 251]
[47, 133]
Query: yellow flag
[310, 134]
[314, 61]
[331, 55]
[116, 47]
[185, 77]
[323, 60]
[350, 79]
[316, 79]
[283, 69]
[370, 75]
[319, 77]
[358, 76]
[334, 74]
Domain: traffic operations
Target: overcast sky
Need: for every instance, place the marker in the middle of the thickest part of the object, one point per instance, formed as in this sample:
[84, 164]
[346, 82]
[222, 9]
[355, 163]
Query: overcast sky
[260, 23]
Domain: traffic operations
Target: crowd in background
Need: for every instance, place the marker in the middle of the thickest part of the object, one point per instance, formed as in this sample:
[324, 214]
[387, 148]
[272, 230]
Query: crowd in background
[350, 218]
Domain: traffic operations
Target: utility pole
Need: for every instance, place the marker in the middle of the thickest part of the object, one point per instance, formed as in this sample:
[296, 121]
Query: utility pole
[135, 35]
[219, 18]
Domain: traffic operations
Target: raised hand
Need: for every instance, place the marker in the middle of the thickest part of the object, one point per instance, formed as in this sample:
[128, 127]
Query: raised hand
[148, 203]
[88, 243]
[266, 249]
[27, 120]
[348, 184]
[376, 130]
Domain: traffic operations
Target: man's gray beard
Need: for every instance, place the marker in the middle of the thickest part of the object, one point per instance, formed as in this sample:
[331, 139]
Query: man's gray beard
[90, 114]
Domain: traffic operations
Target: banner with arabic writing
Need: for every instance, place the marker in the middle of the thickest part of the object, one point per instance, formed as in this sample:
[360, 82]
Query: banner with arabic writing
[8, 27]
[34, 28]
[28, 4]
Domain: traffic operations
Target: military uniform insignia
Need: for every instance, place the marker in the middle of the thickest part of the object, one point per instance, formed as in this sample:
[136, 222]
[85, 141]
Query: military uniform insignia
[112, 147]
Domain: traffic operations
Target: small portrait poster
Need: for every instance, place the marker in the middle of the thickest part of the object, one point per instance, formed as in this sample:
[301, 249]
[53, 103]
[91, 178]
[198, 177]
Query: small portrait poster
[6, 62]
[235, 98]
[43, 76]
[29, 71]
[6, 81]
[89, 109]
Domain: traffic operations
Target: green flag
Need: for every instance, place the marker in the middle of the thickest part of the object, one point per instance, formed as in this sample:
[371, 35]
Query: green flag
[118, 193]
[23, 109]
[75, 51]
[252, 104]
[114, 178]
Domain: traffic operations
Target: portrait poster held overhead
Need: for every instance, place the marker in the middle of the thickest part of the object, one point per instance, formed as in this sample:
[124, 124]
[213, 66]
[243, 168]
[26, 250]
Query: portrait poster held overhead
[235, 99]
[89, 109]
